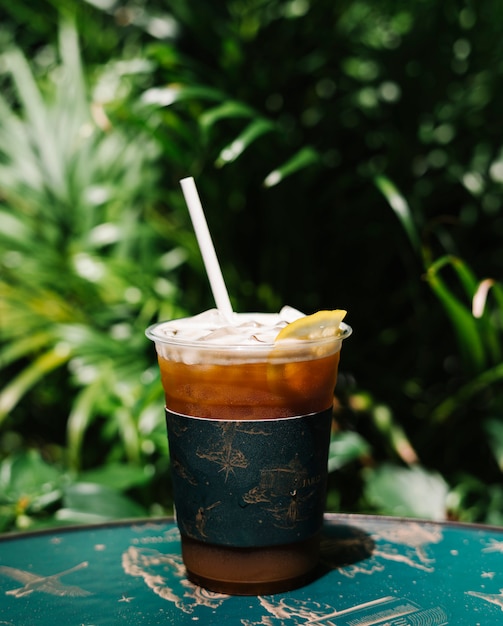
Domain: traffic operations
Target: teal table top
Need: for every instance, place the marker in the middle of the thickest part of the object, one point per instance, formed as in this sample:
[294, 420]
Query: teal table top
[376, 571]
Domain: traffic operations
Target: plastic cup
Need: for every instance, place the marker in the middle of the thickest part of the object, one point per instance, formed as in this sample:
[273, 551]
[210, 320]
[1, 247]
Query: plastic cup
[249, 430]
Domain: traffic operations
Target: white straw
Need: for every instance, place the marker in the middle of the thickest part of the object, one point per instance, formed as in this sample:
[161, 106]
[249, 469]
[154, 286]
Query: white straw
[206, 246]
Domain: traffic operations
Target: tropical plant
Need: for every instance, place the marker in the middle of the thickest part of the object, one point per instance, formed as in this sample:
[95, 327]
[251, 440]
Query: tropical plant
[84, 268]
[476, 320]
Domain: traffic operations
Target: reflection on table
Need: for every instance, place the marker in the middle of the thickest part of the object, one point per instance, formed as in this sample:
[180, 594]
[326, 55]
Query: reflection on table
[374, 571]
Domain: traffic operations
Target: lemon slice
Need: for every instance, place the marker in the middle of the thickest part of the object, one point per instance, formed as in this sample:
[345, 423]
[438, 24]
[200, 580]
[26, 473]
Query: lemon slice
[320, 325]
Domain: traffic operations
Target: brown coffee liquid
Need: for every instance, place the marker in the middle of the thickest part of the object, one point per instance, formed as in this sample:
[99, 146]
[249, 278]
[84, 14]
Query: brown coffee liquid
[250, 390]
[250, 571]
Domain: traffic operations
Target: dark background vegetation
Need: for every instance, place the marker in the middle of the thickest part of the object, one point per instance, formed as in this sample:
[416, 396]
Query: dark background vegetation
[348, 155]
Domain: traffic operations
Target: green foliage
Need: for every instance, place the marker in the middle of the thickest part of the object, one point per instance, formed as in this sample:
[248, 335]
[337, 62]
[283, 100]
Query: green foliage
[35, 493]
[91, 503]
[28, 486]
[346, 447]
[407, 492]
[343, 161]
[84, 268]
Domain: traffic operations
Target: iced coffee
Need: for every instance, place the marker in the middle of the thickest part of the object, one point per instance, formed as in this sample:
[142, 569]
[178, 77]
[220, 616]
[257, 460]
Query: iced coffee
[249, 421]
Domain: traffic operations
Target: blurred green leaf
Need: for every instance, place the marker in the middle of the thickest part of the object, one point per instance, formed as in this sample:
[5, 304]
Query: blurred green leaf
[90, 502]
[117, 476]
[28, 478]
[30, 375]
[464, 324]
[345, 447]
[251, 133]
[485, 293]
[463, 395]
[23, 346]
[80, 418]
[226, 110]
[471, 499]
[401, 208]
[494, 430]
[303, 158]
[35, 112]
[166, 96]
[408, 492]
[394, 433]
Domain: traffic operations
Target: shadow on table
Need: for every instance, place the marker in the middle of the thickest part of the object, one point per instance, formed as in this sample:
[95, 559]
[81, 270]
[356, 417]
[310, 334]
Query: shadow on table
[343, 545]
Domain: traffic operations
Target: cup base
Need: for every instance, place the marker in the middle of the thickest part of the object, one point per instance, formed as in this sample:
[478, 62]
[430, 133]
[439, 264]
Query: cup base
[251, 571]
[251, 588]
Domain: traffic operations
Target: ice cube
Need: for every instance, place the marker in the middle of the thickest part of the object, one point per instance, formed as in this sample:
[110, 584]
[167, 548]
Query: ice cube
[289, 314]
